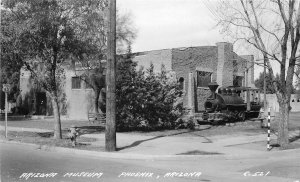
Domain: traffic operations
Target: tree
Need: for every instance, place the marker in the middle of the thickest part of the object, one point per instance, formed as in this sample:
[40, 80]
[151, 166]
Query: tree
[92, 66]
[45, 38]
[259, 83]
[271, 27]
[10, 61]
[127, 92]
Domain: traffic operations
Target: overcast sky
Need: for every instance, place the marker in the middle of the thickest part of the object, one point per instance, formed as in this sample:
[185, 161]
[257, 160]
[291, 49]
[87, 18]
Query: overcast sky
[165, 24]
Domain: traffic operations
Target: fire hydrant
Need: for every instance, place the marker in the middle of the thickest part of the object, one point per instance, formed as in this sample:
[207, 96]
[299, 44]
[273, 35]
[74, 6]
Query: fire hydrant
[73, 133]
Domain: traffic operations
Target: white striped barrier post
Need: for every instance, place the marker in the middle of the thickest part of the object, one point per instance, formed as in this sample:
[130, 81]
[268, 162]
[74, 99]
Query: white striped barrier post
[269, 132]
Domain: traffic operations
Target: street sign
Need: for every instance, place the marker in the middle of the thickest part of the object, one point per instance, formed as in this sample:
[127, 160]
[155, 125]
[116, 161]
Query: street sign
[6, 88]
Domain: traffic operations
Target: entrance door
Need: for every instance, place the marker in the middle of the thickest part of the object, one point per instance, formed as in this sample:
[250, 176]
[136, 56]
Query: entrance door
[41, 103]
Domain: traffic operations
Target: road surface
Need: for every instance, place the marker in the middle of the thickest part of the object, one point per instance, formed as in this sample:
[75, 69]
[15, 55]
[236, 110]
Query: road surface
[21, 162]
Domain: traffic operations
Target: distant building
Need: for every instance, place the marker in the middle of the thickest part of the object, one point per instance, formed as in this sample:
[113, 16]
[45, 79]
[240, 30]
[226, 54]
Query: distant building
[192, 67]
[273, 104]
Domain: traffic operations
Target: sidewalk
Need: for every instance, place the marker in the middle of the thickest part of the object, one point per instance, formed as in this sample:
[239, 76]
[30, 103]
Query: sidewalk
[141, 146]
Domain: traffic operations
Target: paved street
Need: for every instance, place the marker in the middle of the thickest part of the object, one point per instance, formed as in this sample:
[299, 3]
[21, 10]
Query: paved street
[19, 160]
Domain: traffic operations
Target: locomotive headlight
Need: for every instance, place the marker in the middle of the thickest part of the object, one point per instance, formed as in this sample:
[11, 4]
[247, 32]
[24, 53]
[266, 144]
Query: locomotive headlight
[208, 105]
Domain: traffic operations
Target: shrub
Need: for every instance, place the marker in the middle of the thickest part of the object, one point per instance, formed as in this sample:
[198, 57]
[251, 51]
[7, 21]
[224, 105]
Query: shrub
[145, 100]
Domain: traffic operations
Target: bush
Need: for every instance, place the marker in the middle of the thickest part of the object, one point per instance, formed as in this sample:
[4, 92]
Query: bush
[187, 123]
[145, 100]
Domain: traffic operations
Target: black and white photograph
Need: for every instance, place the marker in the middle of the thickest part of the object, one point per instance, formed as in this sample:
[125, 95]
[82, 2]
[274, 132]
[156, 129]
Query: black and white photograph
[150, 90]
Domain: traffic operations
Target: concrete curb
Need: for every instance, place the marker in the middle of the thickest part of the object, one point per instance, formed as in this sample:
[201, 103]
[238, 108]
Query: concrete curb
[113, 155]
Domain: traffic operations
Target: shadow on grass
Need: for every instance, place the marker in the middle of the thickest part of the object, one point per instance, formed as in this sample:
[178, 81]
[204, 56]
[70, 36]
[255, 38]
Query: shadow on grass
[90, 129]
[82, 144]
[289, 146]
[136, 143]
[294, 138]
[46, 134]
[82, 130]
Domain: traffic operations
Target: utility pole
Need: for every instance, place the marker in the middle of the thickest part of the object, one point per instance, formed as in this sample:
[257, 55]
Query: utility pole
[265, 97]
[110, 132]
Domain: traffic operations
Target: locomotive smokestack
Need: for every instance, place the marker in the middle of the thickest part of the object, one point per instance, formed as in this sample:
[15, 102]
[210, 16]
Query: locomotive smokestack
[213, 87]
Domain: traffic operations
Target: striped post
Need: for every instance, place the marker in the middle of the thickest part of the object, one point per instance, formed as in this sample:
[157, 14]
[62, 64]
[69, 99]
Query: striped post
[269, 132]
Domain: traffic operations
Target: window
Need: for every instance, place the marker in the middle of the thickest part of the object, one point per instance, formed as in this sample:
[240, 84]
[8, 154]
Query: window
[181, 83]
[237, 81]
[76, 83]
[203, 78]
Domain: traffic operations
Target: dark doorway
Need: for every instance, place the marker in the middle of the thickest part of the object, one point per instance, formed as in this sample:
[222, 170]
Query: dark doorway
[2, 100]
[238, 81]
[41, 103]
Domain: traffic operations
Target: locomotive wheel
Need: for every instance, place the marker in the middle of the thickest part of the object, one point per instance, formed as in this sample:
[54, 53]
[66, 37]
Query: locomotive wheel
[242, 115]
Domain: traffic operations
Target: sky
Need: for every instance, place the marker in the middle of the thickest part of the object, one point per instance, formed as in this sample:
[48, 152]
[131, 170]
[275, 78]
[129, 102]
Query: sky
[164, 24]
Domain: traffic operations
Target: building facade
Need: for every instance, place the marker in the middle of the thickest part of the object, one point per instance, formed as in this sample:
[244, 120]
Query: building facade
[195, 67]
[192, 67]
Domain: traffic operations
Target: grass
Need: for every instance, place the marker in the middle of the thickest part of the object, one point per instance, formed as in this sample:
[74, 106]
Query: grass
[46, 138]
[248, 128]
[44, 123]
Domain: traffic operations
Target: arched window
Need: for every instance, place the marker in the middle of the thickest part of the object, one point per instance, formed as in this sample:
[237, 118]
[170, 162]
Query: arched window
[181, 83]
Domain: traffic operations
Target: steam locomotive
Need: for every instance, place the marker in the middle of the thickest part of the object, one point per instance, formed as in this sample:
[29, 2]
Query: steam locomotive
[228, 106]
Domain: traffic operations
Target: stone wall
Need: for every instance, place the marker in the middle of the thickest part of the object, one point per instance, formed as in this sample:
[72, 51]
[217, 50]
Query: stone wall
[225, 65]
[156, 57]
[250, 66]
[191, 60]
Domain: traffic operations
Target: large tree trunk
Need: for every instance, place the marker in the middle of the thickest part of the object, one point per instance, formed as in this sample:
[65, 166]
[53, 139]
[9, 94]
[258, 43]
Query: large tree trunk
[96, 101]
[57, 125]
[283, 131]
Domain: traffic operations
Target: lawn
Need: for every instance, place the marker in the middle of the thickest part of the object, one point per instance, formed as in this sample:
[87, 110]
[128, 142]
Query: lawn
[44, 123]
[46, 138]
[249, 127]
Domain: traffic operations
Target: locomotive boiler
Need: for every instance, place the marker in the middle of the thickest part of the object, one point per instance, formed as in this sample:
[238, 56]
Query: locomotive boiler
[228, 106]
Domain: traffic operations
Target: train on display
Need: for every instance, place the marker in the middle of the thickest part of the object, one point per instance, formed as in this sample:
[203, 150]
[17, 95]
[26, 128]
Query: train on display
[229, 105]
